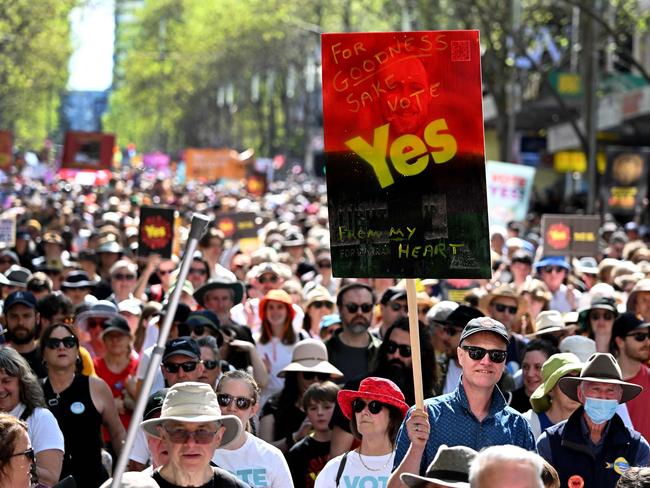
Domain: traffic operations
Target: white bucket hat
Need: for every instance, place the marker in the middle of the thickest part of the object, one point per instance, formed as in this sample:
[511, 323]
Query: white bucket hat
[196, 403]
[310, 356]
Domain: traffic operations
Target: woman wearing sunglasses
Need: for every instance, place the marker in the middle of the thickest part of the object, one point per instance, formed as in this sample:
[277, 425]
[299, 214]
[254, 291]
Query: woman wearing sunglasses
[319, 303]
[251, 459]
[21, 395]
[596, 322]
[17, 467]
[81, 405]
[375, 411]
[191, 427]
[283, 421]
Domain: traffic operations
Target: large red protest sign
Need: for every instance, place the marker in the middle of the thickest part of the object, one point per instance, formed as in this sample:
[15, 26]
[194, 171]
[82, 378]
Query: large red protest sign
[88, 150]
[405, 154]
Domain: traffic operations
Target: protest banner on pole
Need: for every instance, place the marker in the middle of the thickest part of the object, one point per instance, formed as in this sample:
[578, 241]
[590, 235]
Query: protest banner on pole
[88, 150]
[508, 191]
[570, 235]
[405, 164]
[156, 232]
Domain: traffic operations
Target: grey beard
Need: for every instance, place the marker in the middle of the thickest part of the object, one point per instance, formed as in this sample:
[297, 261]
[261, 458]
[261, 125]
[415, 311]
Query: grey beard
[357, 328]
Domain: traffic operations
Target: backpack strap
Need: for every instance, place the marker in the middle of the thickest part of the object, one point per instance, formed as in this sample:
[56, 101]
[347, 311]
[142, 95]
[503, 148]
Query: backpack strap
[339, 473]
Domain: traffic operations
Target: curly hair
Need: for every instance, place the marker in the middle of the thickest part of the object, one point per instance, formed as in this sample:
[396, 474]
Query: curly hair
[10, 428]
[14, 365]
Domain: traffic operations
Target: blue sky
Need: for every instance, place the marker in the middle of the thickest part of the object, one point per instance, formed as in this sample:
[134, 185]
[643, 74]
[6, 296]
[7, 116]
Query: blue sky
[93, 31]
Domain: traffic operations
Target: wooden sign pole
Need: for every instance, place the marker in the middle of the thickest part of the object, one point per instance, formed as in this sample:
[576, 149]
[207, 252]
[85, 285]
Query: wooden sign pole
[414, 331]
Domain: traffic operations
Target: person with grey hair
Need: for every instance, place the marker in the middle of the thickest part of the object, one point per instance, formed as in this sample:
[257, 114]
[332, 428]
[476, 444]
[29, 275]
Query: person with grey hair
[506, 466]
[634, 478]
[21, 395]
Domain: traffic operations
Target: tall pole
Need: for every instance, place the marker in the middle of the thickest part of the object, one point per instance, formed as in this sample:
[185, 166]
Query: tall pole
[590, 77]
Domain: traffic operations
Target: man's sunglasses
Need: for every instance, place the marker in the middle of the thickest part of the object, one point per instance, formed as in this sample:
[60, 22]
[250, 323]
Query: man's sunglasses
[68, 342]
[29, 454]
[605, 316]
[198, 271]
[242, 403]
[550, 269]
[269, 279]
[374, 407]
[310, 375]
[210, 364]
[321, 304]
[187, 366]
[398, 306]
[500, 307]
[181, 436]
[354, 307]
[404, 349]
[477, 353]
[639, 336]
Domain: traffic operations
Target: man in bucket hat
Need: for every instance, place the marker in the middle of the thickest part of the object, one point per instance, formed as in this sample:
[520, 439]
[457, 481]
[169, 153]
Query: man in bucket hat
[475, 414]
[593, 447]
[450, 468]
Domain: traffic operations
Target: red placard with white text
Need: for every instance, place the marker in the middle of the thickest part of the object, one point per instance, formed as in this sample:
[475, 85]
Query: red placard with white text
[404, 148]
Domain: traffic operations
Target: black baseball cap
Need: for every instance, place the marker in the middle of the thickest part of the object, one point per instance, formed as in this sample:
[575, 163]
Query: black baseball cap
[485, 324]
[26, 298]
[626, 323]
[183, 346]
[154, 404]
[461, 315]
[116, 323]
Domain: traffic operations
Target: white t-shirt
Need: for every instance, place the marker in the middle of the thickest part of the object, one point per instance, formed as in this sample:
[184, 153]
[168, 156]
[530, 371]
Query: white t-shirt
[355, 473]
[257, 463]
[140, 450]
[453, 377]
[279, 356]
[141, 372]
[43, 429]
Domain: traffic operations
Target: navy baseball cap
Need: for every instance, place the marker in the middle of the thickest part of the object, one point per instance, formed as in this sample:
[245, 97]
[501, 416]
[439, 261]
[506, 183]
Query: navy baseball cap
[183, 346]
[26, 298]
[485, 324]
[626, 323]
[117, 323]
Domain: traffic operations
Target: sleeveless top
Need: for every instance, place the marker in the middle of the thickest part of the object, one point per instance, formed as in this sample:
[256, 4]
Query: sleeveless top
[81, 424]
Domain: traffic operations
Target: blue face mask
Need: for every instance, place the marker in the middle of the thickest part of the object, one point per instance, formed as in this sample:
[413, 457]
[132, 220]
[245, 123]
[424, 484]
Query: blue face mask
[599, 410]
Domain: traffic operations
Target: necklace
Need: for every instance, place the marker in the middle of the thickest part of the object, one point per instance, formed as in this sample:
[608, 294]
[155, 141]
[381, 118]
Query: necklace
[375, 469]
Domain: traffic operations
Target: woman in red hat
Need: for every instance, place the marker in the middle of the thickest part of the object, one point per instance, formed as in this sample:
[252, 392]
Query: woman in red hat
[375, 412]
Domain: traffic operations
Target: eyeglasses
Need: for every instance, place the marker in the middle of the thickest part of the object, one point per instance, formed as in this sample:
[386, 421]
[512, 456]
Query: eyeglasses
[354, 307]
[404, 350]
[269, 279]
[29, 454]
[450, 330]
[500, 307]
[604, 316]
[321, 304]
[550, 269]
[477, 353]
[398, 306]
[198, 271]
[210, 364]
[310, 375]
[187, 366]
[181, 436]
[92, 323]
[374, 407]
[68, 342]
[639, 336]
[324, 264]
[123, 277]
[242, 403]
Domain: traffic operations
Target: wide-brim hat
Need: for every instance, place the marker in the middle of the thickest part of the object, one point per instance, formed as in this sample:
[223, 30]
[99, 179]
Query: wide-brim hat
[373, 388]
[548, 322]
[552, 261]
[310, 356]
[17, 276]
[220, 283]
[554, 368]
[449, 468]
[318, 294]
[77, 279]
[277, 296]
[505, 291]
[602, 368]
[103, 309]
[196, 403]
[597, 303]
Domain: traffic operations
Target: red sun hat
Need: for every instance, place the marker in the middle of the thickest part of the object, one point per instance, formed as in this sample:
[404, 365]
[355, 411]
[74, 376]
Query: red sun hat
[277, 296]
[373, 388]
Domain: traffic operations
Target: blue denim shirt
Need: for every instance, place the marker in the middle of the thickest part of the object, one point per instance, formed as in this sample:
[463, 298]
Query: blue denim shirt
[452, 423]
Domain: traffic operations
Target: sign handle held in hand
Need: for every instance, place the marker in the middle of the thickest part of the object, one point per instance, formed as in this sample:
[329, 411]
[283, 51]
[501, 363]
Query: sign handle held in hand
[414, 331]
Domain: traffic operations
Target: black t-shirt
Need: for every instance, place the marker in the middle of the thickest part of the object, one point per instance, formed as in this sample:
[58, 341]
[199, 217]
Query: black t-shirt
[221, 479]
[520, 402]
[306, 459]
[35, 362]
[287, 419]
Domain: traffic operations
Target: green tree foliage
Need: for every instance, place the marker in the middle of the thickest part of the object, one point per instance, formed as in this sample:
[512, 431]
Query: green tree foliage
[34, 51]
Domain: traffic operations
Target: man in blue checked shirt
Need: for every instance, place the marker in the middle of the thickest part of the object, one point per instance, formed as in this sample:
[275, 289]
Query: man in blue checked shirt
[475, 414]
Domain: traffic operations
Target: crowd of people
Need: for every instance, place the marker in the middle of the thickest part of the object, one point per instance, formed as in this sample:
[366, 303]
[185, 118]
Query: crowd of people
[278, 374]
